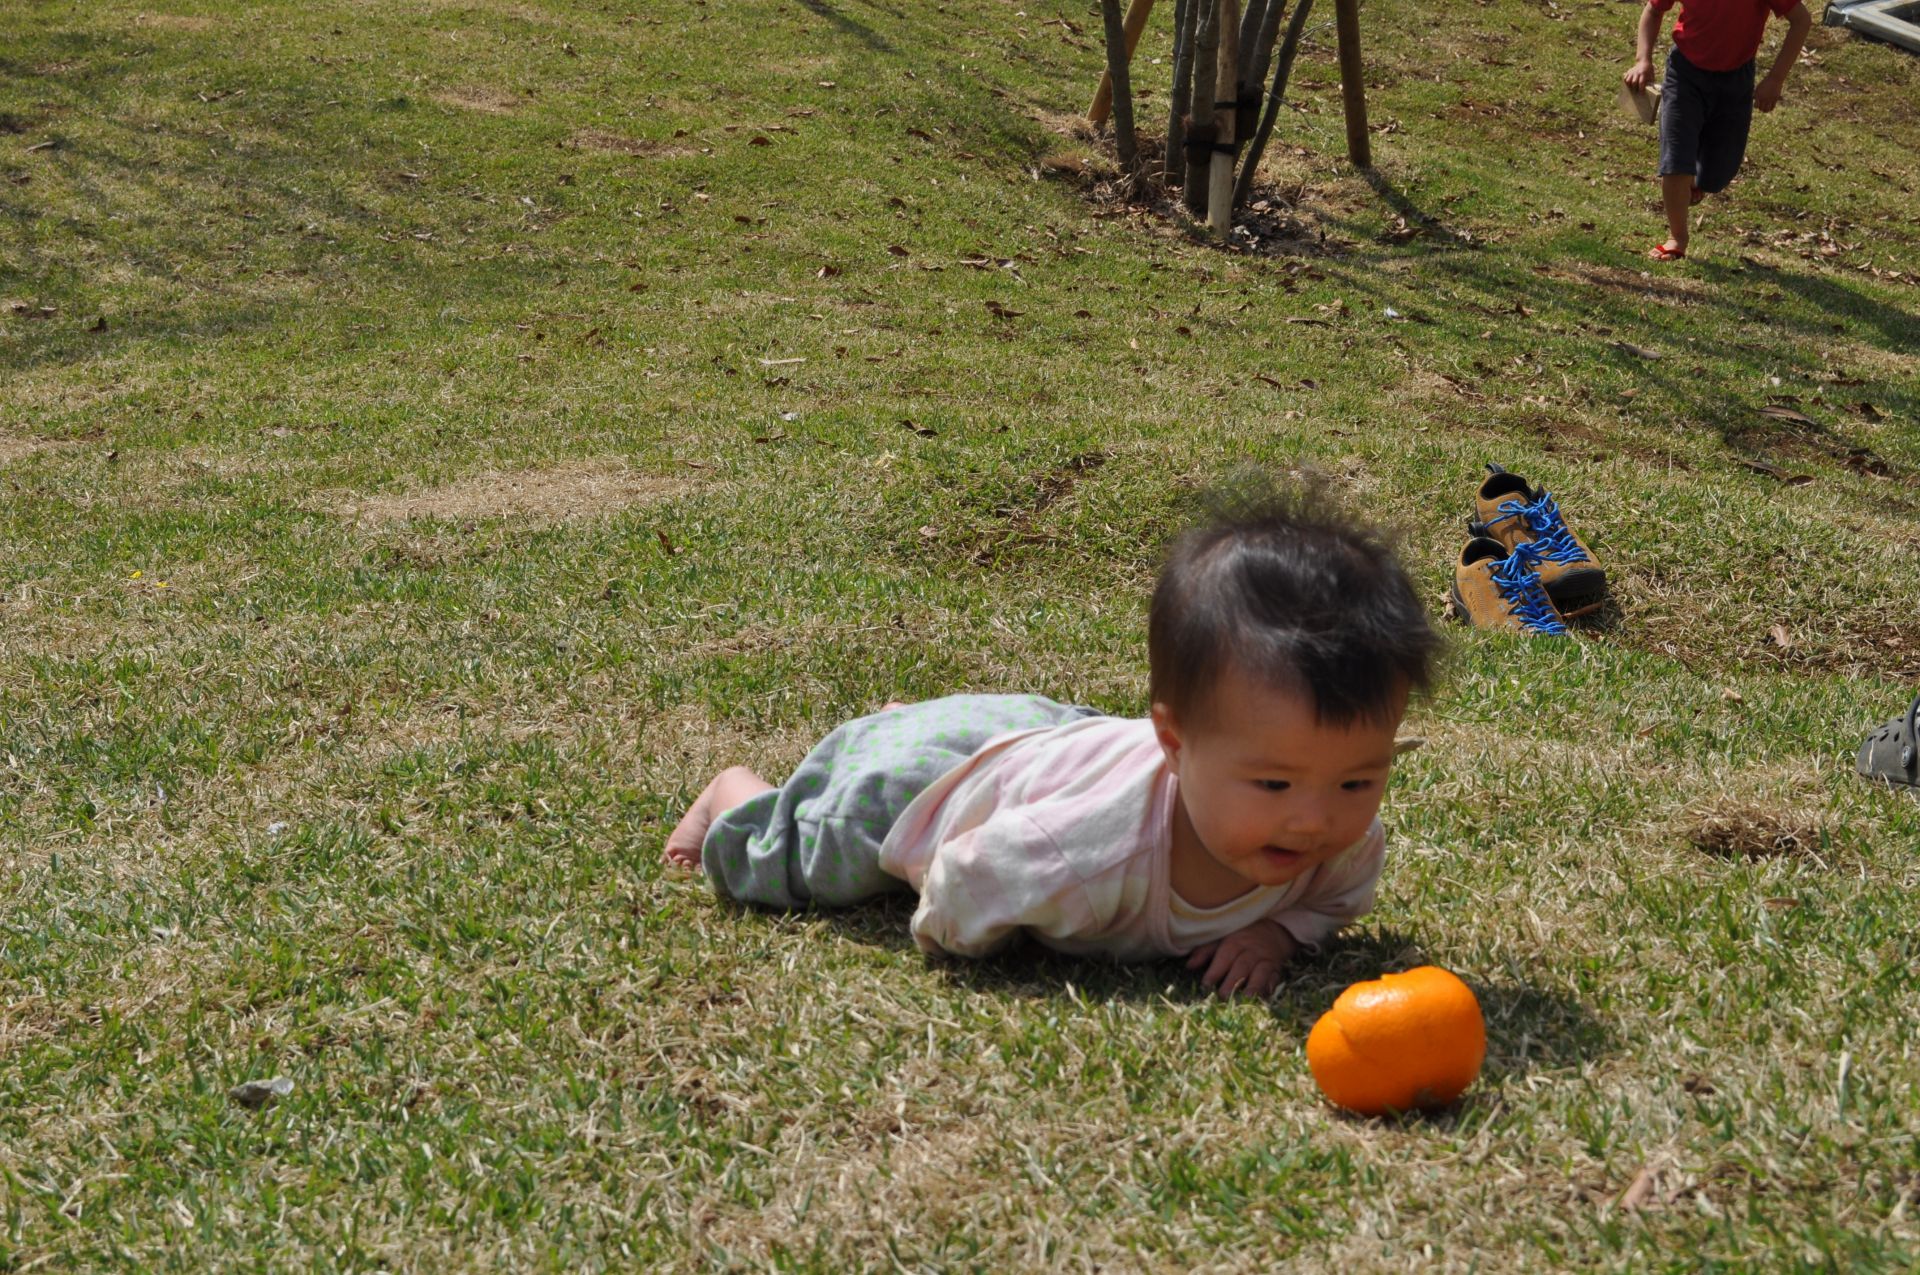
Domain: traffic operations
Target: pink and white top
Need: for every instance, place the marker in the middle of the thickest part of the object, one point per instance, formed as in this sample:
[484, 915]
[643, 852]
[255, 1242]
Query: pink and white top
[1065, 833]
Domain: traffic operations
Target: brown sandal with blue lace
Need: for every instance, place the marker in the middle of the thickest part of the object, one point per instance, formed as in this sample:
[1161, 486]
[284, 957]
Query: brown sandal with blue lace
[1892, 752]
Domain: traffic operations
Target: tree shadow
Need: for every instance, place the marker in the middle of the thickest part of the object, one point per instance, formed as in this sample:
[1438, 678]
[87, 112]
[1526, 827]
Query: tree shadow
[1607, 302]
[194, 219]
[859, 30]
[1440, 235]
[1899, 328]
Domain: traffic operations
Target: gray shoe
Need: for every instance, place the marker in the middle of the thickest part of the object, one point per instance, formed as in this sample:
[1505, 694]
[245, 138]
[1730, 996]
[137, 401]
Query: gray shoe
[1892, 752]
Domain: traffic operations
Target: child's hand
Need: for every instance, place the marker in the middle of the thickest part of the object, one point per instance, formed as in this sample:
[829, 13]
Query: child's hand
[1246, 960]
[1640, 74]
[1766, 94]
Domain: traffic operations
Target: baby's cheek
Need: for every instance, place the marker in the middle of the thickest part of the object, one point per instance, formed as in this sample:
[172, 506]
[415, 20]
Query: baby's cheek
[1362, 816]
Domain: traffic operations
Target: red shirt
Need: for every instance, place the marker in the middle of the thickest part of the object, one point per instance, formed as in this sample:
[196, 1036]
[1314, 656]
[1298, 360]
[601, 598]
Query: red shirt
[1721, 35]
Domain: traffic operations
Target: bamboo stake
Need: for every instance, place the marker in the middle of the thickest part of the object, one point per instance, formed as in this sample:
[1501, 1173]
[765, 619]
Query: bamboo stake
[1227, 76]
[1103, 96]
[1289, 48]
[1174, 169]
[1125, 140]
[1206, 66]
[1353, 87]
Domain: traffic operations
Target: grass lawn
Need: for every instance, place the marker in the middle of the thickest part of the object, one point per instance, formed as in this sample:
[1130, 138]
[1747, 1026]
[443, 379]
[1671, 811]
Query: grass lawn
[436, 436]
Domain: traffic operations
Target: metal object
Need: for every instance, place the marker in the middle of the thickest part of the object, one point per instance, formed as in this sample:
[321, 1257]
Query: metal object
[1895, 21]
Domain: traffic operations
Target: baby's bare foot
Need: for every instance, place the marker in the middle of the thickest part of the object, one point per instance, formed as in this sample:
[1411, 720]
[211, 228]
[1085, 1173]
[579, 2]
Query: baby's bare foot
[683, 844]
[729, 788]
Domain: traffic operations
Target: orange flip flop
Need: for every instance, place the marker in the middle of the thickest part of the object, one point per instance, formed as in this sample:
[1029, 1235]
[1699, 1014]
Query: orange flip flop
[1660, 252]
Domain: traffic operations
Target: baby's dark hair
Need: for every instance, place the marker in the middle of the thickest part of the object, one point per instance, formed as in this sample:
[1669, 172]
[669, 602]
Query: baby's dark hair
[1283, 584]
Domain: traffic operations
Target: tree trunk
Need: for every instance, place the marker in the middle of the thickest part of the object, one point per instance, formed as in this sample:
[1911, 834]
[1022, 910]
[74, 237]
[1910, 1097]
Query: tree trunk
[1206, 67]
[1353, 84]
[1175, 169]
[1226, 77]
[1289, 48]
[1137, 14]
[1250, 22]
[1124, 139]
[1261, 59]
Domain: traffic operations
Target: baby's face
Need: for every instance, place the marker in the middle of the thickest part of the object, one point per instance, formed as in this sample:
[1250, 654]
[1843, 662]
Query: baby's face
[1270, 790]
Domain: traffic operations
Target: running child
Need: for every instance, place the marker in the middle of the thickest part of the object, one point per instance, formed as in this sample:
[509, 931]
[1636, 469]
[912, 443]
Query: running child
[1709, 95]
[1234, 826]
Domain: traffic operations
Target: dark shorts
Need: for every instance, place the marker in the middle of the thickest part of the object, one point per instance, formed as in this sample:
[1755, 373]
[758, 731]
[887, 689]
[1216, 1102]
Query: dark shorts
[1704, 116]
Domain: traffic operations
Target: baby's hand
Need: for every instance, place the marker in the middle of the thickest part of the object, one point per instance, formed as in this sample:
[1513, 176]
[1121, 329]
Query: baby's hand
[1246, 960]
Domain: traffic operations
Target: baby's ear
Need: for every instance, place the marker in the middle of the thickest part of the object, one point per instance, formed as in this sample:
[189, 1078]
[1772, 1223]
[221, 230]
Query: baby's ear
[1167, 731]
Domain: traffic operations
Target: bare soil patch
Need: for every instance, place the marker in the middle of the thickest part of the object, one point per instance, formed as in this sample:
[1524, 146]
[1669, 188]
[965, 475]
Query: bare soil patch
[593, 139]
[1279, 218]
[175, 22]
[1799, 437]
[541, 497]
[12, 449]
[488, 101]
[1668, 288]
[1736, 830]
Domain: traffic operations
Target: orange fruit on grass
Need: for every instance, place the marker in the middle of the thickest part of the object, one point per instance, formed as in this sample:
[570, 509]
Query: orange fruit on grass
[1402, 1041]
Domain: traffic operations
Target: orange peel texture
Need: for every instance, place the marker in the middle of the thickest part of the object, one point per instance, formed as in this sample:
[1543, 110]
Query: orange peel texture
[1400, 1042]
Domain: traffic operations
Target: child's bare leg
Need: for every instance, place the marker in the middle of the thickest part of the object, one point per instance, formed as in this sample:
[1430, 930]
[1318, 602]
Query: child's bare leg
[1676, 196]
[729, 788]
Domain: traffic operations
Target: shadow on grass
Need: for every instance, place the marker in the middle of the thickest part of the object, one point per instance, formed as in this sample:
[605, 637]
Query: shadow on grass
[860, 30]
[1528, 1027]
[1899, 328]
[1607, 300]
[1442, 236]
[1024, 971]
[206, 200]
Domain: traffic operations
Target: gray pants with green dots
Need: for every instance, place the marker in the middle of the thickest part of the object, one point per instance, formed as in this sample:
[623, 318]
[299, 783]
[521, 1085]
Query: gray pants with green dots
[816, 838]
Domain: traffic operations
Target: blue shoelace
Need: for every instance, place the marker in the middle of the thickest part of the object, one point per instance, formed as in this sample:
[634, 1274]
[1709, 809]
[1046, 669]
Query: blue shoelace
[1526, 597]
[1550, 534]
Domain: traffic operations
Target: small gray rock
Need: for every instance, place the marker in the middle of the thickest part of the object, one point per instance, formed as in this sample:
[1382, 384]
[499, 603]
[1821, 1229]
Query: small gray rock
[255, 1094]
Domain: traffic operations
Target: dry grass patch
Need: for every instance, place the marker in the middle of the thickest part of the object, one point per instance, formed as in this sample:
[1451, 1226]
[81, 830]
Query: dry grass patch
[1067, 124]
[594, 139]
[1742, 830]
[1861, 359]
[522, 12]
[174, 21]
[488, 101]
[540, 497]
[14, 448]
[859, 1194]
